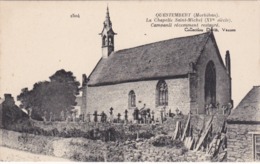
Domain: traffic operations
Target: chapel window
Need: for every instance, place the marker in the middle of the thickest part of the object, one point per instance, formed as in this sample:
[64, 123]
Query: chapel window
[162, 93]
[131, 99]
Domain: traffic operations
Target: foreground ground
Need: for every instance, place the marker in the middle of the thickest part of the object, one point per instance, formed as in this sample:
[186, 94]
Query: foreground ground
[12, 155]
[112, 142]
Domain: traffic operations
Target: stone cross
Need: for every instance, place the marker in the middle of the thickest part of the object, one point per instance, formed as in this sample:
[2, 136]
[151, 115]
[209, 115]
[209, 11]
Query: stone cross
[111, 118]
[126, 116]
[95, 116]
[111, 111]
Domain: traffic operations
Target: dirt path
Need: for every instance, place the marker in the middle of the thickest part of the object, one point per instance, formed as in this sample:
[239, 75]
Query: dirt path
[12, 155]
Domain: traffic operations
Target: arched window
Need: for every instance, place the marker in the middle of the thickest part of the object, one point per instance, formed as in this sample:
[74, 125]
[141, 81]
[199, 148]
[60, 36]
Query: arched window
[210, 84]
[162, 93]
[131, 99]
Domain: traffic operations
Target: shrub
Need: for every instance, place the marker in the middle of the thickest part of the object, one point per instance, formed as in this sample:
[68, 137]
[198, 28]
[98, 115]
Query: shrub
[163, 140]
[146, 135]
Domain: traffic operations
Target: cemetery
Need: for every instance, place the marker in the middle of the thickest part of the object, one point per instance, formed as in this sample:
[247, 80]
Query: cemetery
[98, 137]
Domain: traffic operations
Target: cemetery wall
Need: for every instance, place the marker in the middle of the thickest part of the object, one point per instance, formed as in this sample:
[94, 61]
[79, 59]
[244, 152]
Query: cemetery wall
[81, 149]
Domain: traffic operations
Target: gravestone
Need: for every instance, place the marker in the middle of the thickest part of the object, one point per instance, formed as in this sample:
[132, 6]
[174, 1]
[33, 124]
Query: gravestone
[62, 115]
[148, 116]
[103, 117]
[88, 117]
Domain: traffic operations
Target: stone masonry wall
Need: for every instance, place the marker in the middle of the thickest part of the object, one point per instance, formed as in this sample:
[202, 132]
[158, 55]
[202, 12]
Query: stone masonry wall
[223, 81]
[81, 149]
[240, 143]
[102, 98]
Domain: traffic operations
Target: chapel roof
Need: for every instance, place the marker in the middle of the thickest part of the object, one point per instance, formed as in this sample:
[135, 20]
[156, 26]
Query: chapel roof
[164, 59]
[248, 110]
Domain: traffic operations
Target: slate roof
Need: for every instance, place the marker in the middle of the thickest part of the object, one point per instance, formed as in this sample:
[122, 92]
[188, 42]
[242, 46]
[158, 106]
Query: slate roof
[248, 110]
[168, 58]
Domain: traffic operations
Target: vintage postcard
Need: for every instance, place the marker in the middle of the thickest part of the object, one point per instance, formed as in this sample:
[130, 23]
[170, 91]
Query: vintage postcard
[133, 81]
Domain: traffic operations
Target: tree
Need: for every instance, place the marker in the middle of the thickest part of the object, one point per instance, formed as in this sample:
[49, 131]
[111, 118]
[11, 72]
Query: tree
[51, 96]
[11, 112]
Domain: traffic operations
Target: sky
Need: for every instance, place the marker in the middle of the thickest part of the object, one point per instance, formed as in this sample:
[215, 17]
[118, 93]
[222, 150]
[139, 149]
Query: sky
[37, 38]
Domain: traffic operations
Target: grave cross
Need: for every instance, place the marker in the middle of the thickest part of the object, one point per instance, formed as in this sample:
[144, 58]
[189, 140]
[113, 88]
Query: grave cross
[111, 111]
[126, 114]
[95, 116]
[118, 117]
[148, 116]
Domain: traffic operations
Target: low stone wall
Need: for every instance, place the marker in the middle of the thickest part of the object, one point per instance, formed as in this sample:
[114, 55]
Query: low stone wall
[240, 142]
[81, 149]
[26, 142]
[70, 148]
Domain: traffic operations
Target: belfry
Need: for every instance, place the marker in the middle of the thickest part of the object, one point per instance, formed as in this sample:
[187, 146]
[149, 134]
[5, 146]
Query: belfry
[107, 36]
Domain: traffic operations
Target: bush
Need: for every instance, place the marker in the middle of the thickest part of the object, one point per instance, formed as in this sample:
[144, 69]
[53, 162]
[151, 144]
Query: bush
[163, 140]
[146, 135]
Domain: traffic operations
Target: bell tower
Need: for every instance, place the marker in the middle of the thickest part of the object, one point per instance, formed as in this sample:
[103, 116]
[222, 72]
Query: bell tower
[107, 36]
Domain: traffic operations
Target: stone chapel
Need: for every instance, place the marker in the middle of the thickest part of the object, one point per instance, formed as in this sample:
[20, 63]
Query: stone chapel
[185, 73]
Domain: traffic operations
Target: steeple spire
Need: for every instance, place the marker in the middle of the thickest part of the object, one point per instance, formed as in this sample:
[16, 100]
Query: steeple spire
[107, 22]
[108, 12]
